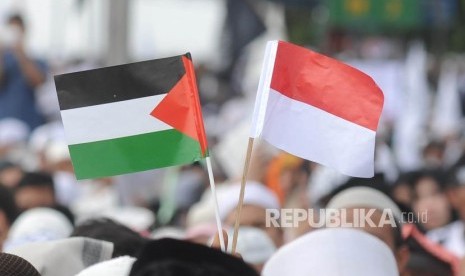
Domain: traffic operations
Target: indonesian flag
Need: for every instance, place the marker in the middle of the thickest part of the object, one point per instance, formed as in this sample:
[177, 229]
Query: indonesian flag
[132, 117]
[317, 108]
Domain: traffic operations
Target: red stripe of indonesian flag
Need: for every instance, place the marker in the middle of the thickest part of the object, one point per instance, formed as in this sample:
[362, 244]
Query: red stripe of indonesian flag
[317, 108]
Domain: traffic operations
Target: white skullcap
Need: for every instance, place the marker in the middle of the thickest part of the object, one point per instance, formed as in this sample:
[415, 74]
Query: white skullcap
[254, 245]
[12, 131]
[45, 134]
[364, 197]
[168, 232]
[120, 266]
[255, 194]
[65, 256]
[38, 224]
[57, 151]
[137, 218]
[333, 252]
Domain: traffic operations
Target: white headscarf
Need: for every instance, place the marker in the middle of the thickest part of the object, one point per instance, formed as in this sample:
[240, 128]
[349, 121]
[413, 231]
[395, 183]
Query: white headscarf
[38, 224]
[333, 252]
[120, 266]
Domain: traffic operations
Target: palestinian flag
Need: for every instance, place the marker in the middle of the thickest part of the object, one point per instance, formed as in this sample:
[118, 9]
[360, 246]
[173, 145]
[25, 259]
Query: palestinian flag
[318, 108]
[132, 117]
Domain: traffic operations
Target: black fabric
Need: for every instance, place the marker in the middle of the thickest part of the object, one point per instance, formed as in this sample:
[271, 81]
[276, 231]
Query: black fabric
[12, 265]
[169, 257]
[118, 83]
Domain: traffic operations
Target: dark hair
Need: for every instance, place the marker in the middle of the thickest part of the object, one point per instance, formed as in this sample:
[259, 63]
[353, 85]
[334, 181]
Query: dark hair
[169, 257]
[7, 204]
[126, 242]
[64, 211]
[17, 18]
[36, 179]
[437, 175]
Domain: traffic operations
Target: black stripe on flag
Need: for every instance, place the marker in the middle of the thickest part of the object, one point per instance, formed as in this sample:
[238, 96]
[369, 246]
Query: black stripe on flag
[118, 83]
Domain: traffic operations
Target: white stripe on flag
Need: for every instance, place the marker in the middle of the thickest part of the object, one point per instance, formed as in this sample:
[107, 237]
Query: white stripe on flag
[263, 89]
[316, 135]
[112, 120]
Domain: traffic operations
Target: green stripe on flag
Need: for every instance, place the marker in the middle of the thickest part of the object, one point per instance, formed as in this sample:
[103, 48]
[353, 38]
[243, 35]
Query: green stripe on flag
[133, 153]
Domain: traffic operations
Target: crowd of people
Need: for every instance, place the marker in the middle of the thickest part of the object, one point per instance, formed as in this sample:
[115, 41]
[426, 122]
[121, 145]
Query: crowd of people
[162, 222]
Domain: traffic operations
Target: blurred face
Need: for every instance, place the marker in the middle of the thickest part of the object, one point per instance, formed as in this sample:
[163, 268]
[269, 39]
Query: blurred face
[11, 176]
[384, 233]
[430, 199]
[4, 226]
[403, 194]
[255, 216]
[31, 197]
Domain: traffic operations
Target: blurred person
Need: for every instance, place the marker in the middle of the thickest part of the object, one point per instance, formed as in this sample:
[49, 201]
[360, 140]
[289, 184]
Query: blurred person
[401, 191]
[8, 213]
[253, 245]
[333, 252]
[13, 135]
[66, 256]
[41, 137]
[12, 265]
[174, 257]
[287, 176]
[354, 199]
[429, 197]
[433, 155]
[138, 219]
[59, 165]
[10, 174]
[452, 236]
[35, 189]
[19, 75]
[426, 257]
[257, 199]
[38, 224]
[126, 242]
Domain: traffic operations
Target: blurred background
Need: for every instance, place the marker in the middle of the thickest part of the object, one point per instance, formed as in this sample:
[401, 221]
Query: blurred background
[414, 50]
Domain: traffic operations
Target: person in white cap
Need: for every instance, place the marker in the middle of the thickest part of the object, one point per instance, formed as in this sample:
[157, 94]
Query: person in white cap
[333, 252]
[383, 214]
[257, 199]
[38, 224]
[254, 246]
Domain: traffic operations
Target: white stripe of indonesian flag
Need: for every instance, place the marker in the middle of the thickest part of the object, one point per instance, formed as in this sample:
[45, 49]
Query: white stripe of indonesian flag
[318, 109]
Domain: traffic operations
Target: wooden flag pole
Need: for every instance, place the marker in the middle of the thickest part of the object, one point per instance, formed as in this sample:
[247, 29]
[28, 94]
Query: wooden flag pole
[241, 195]
[215, 201]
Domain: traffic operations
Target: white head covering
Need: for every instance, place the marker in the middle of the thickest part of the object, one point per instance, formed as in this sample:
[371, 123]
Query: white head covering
[66, 256]
[120, 266]
[137, 218]
[333, 252]
[38, 224]
[12, 131]
[364, 197]
[254, 245]
[46, 134]
[255, 194]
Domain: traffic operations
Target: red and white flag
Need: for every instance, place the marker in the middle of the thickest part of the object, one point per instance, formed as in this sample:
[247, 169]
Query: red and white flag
[317, 108]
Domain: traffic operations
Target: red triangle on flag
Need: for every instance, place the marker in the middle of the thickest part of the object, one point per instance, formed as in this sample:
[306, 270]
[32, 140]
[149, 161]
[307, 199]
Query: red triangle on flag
[177, 109]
